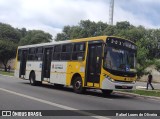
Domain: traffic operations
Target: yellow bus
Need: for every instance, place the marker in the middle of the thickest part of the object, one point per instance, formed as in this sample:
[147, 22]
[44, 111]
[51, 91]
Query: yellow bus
[103, 62]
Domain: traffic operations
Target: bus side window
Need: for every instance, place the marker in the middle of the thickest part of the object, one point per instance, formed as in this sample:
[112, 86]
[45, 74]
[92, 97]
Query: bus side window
[78, 51]
[56, 52]
[19, 55]
[31, 55]
[66, 52]
[39, 54]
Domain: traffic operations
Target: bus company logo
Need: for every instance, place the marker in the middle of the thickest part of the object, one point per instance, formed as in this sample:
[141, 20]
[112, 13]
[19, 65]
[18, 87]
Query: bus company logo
[58, 66]
[6, 113]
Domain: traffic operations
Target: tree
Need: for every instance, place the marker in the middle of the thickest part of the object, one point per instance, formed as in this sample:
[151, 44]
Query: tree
[85, 28]
[23, 32]
[34, 37]
[123, 25]
[110, 30]
[11, 37]
[7, 52]
[9, 33]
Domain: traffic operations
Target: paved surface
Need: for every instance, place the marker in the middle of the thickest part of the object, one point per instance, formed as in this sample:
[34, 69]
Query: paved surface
[18, 94]
[142, 85]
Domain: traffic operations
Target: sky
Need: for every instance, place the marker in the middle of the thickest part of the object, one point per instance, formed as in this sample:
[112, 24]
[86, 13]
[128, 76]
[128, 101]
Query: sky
[52, 15]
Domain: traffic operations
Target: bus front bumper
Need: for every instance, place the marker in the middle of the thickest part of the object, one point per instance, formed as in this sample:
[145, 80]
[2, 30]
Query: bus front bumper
[117, 85]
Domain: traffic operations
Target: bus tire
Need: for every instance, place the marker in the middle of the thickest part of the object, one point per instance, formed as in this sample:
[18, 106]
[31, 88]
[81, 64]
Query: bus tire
[106, 92]
[77, 85]
[32, 80]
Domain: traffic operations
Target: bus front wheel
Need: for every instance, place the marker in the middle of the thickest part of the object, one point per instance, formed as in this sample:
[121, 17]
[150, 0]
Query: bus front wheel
[77, 85]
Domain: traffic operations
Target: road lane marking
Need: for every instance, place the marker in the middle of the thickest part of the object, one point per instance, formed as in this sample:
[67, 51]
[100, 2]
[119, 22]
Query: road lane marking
[54, 104]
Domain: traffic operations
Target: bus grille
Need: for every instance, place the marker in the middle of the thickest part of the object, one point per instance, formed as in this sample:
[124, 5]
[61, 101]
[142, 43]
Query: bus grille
[123, 87]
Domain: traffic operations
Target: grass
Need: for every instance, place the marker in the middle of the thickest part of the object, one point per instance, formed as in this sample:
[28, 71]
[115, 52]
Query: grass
[7, 73]
[155, 93]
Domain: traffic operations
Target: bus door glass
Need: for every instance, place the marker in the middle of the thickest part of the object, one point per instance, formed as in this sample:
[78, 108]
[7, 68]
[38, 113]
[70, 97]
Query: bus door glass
[94, 62]
[47, 62]
[23, 60]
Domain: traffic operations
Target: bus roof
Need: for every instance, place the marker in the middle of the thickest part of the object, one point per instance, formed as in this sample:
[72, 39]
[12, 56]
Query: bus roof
[66, 41]
[70, 41]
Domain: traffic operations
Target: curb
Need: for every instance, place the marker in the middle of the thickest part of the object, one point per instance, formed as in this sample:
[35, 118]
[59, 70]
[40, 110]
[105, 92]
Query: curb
[137, 95]
[6, 75]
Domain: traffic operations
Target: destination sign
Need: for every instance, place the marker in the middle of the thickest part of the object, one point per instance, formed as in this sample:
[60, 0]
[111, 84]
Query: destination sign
[121, 42]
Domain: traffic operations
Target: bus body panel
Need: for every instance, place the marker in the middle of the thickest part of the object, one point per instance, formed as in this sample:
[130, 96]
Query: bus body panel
[34, 66]
[108, 81]
[107, 84]
[62, 72]
[58, 72]
[75, 68]
[17, 67]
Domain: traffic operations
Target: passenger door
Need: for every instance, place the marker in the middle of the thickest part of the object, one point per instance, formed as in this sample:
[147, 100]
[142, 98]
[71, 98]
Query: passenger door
[94, 61]
[46, 63]
[23, 60]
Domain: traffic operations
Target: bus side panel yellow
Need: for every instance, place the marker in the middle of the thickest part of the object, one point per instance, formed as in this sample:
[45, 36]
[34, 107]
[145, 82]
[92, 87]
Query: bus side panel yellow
[73, 68]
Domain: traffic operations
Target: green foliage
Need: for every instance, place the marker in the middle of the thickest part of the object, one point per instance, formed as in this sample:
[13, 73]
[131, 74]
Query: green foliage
[142, 51]
[84, 29]
[11, 37]
[141, 71]
[141, 68]
[157, 64]
[34, 37]
[123, 25]
[7, 51]
[7, 32]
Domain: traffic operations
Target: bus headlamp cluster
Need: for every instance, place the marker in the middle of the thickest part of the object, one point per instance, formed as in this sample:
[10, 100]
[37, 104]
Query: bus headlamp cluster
[109, 78]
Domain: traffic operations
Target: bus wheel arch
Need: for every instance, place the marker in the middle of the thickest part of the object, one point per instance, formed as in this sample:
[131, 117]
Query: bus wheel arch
[77, 83]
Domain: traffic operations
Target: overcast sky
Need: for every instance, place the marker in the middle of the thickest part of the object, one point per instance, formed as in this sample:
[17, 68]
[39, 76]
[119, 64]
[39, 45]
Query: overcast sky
[52, 15]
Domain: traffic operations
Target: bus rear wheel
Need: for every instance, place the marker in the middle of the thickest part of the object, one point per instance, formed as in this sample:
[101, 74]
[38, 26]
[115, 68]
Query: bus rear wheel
[33, 81]
[77, 85]
[106, 92]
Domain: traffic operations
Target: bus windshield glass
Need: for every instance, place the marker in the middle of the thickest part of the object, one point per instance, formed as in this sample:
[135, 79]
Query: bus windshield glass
[119, 59]
[120, 55]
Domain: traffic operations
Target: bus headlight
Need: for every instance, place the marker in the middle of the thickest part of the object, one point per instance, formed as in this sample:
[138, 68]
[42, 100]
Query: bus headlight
[109, 78]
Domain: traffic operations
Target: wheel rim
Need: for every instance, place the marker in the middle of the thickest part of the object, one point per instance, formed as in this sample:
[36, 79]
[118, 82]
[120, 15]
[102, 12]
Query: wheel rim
[78, 85]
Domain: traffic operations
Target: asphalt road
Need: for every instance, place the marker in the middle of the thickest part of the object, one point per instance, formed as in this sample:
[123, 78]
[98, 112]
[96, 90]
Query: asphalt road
[18, 94]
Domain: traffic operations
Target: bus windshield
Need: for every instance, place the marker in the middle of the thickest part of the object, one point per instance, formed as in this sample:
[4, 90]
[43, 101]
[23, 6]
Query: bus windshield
[119, 59]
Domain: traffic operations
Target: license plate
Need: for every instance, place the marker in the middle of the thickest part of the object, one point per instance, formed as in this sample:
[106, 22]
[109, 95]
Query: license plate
[124, 86]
